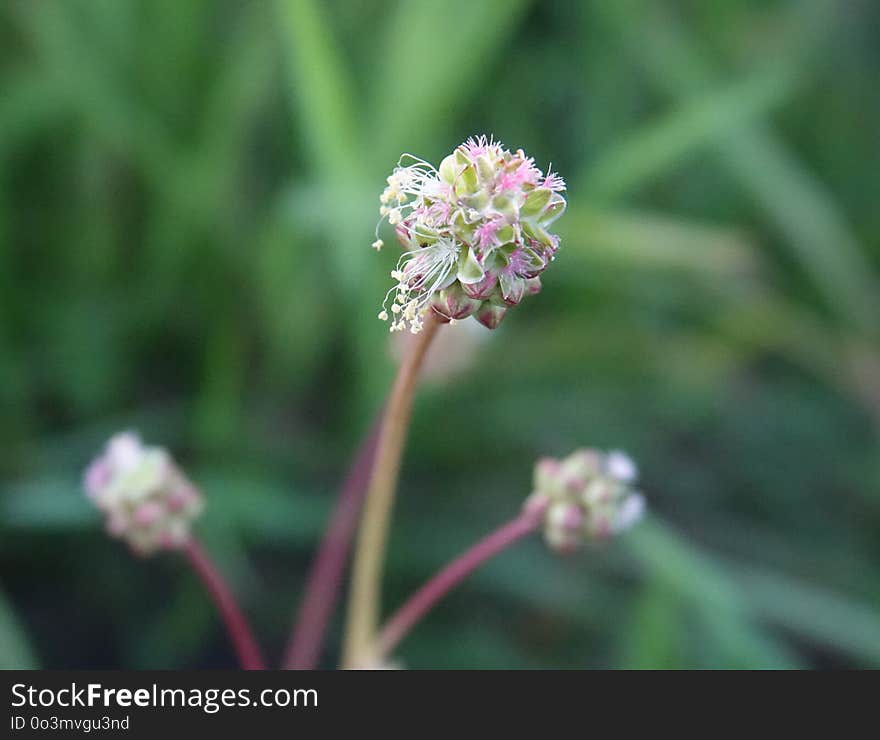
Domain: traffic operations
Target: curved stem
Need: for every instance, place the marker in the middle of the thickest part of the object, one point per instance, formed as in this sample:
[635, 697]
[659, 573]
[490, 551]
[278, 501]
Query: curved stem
[363, 605]
[237, 626]
[423, 600]
[328, 565]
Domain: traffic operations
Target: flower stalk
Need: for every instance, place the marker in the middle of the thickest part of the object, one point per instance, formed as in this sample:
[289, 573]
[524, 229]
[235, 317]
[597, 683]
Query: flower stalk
[423, 600]
[328, 566]
[587, 496]
[243, 641]
[364, 601]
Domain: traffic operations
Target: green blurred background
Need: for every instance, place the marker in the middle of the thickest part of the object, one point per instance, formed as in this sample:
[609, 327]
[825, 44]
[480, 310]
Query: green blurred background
[187, 200]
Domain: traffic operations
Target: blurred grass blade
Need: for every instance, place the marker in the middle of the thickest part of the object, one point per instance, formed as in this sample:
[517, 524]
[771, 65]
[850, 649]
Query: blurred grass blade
[320, 88]
[742, 592]
[743, 644]
[15, 649]
[704, 120]
[94, 89]
[656, 240]
[718, 601]
[801, 209]
[680, 565]
[653, 637]
[434, 57]
[805, 213]
[813, 612]
[47, 503]
[28, 104]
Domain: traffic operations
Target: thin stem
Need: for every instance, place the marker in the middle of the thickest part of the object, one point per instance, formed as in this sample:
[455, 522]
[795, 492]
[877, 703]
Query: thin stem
[423, 600]
[328, 565]
[237, 626]
[363, 605]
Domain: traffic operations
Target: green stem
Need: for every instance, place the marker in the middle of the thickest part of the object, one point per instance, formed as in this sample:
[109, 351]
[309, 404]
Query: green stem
[364, 601]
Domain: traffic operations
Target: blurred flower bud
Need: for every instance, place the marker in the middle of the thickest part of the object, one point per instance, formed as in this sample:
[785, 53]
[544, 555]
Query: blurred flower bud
[474, 232]
[587, 495]
[146, 500]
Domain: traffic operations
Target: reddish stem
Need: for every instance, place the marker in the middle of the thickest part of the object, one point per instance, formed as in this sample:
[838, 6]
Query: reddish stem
[237, 626]
[328, 566]
[423, 600]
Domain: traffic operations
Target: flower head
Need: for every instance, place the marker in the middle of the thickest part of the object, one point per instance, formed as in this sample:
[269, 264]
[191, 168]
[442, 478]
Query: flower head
[588, 495]
[145, 498]
[474, 233]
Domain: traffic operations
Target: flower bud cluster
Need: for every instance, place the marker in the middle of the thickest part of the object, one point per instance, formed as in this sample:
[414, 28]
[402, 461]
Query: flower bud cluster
[145, 498]
[588, 495]
[474, 233]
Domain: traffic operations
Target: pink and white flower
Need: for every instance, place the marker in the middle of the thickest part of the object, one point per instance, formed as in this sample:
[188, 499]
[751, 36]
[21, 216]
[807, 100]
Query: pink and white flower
[474, 232]
[145, 498]
[588, 495]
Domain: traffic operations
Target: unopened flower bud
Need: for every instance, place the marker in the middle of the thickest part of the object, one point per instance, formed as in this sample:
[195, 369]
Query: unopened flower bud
[453, 304]
[513, 288]
[490, 314]
[588, 495]
[482, 289]
[145, 498]
[533, 286]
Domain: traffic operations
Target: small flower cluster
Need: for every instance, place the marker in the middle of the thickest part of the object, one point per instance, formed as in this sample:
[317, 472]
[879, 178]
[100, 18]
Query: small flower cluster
[146, 500]
[474, 231]
[589, 495]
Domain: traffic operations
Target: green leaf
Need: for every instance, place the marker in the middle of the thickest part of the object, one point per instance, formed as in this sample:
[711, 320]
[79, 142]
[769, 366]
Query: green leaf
[658, 147]
[814, 612]
[414, 86]
[320, 87]
[15, 650]
[791, 197]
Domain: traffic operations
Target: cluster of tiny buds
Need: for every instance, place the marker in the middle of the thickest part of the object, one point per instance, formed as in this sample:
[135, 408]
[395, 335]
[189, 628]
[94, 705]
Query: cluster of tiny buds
[589, 495]
[145, 498]
[475, 233]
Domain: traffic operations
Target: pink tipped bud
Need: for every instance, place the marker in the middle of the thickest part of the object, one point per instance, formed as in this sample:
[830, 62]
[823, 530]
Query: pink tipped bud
[183, 498]
[453, 304]
[482, 290]
[573, 519]
[96, 477]
[148, 513]
[560, 540]
[512, 289]
[490, 314]
[545, 475]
